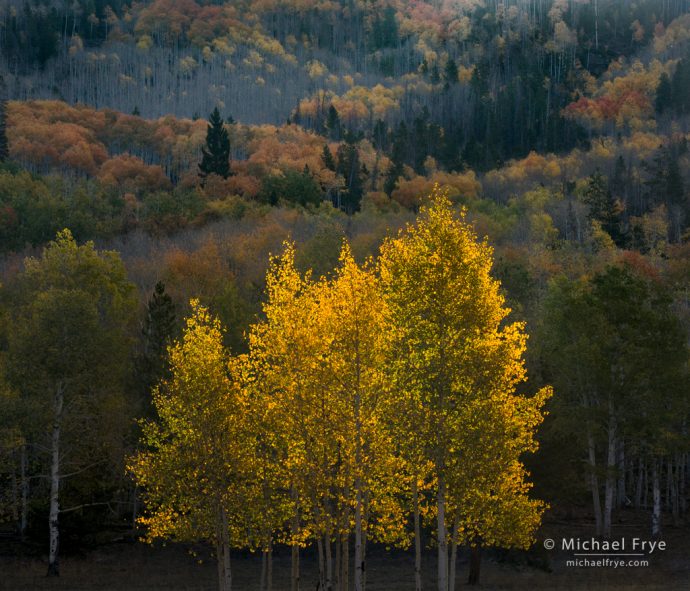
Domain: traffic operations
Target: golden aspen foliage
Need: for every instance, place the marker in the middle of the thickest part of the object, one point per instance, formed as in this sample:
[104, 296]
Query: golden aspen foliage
[456, 365]
[195, 465]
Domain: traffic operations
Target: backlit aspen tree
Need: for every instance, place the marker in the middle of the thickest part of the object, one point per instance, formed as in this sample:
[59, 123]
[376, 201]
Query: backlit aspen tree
[194, 472]
[458, 364]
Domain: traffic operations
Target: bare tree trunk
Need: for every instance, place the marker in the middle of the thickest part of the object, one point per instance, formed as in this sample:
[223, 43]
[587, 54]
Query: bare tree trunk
[294, 563]
[345, 575]
[667, 496]
[610, 475]
[475, 562]
[329, 563]
[442, 541]
[656, 511]
[262, 582]
[359, 558]
[682, 484]
[620, 487]
[594, 483]
[269, 567]
[23, 518]
[640, 480]
[675, 505]
[224, 570]
[453, 556]
[417, 538]
[53, 517]
[322, 564]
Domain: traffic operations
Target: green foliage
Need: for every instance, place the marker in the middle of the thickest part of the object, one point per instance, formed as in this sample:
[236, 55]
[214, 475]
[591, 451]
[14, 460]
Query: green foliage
[298, 188]
[216, 151]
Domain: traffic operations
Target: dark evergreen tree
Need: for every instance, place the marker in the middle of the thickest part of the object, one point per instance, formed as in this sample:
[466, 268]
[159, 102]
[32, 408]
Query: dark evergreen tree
[327, 158]
[380, 135]
[158, 330]
[333, 123]
[602, 205]
[350, 168]
[450, 73]
[216, 153]
[680, 86]
[397, 159]
[664, 94]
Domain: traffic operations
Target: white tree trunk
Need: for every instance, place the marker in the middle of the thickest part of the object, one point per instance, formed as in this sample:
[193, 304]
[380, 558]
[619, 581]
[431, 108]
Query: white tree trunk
[453, 556]
[294, 565]
[223, 552]
[656, 511]
[417, 538]
[610, 476]
[54, 514]
[25, 492]
[442, 535]
[594, 483]
[359, 558]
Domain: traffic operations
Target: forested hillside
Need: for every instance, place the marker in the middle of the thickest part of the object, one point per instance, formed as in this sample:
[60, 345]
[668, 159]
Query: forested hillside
[268, 271]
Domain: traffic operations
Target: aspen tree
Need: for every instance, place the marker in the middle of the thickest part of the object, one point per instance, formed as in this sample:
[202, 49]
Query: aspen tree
[458, 365]
[195, 474]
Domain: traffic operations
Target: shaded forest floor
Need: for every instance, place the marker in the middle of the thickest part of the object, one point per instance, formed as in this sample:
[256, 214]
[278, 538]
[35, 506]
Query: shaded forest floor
[177, 567]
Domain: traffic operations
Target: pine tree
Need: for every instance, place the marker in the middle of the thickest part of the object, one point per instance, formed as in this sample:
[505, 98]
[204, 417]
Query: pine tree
[602, 205]
[216, 153]
[333, 123]
[450, 73]
[157, 333]
[327, 158]
[664, 94]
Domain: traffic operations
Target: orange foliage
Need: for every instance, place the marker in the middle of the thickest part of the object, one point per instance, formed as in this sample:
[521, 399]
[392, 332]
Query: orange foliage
[129, 173]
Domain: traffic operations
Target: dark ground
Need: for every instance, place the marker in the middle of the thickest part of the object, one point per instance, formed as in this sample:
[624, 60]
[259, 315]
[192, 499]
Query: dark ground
[138, 567]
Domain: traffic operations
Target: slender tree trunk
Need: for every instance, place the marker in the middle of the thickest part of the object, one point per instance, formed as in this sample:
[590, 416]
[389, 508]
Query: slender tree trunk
[417, 538]
[667, 496]
[269, 568]
[345, 576]
[442, 541]
[594, 483]
[53, 517]
[338, 563]
[675, 506]
[294, 562]
[610, 476]
[322, 564]
[359, 557]
[620, 487]
[656, 511]
[329, 563]
[262, 583]
[224, 569]
[640, 480]
[682, 484]
[453, 556]
[475, 562]
[23, 517]
[365, 520]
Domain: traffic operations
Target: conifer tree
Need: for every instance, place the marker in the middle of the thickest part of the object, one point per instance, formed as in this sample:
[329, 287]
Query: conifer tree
[216, 152]
[157, 333]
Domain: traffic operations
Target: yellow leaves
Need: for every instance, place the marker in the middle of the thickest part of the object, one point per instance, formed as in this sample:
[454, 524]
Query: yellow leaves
[354, 383]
